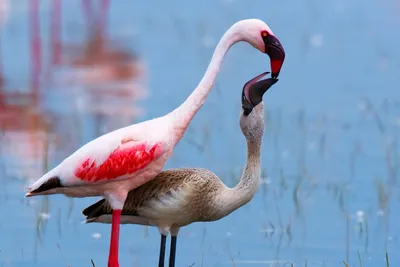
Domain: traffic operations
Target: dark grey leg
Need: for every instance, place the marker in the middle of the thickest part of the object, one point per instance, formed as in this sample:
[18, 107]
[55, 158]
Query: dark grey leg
[162, 251]
[173, 251]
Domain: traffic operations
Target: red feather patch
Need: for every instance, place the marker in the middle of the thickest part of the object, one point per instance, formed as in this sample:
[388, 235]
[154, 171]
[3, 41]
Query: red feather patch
[128, 158]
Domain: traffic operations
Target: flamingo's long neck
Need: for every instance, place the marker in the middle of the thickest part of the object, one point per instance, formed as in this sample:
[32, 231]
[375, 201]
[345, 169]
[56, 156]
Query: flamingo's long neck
[231, 199]
[244, 191]
[184, 113]
[250, 179]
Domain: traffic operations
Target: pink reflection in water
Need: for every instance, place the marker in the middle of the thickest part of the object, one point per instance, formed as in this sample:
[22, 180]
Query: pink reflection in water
[24, 132]
[109, 80]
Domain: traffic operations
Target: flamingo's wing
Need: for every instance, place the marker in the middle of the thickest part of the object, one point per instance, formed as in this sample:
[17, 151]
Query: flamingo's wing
[130, 157]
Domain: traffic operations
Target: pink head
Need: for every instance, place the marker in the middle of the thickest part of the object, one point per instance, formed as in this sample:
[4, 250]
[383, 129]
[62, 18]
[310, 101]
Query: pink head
[260, 36]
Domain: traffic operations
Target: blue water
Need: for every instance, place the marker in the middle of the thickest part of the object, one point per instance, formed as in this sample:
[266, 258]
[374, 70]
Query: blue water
[331, 148]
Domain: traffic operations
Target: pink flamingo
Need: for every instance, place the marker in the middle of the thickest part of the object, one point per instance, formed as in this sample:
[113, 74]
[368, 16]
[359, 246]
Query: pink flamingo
[115, 163]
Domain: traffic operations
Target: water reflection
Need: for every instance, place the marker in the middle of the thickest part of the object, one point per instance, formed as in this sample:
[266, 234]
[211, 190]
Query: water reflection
[24, 131]
[90, 87]
[75, 92]
[110, 80]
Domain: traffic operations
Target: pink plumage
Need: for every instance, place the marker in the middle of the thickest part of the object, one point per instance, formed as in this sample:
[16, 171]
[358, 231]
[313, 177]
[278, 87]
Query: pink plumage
[127, 159]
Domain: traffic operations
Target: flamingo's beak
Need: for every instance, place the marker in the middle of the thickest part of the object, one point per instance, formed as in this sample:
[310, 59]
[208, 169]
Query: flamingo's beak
[253, 92]
[276, 53]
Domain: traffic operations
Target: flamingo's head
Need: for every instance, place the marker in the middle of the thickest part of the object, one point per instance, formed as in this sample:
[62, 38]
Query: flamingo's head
[259, 35]
[252, 116]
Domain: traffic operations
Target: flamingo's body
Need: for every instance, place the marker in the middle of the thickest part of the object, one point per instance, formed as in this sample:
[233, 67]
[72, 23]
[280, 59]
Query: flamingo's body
[178, 197]
[106, 163]
[115, 163]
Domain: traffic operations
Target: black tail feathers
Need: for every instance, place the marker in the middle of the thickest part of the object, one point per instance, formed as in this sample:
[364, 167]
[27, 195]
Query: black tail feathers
[95, 210]
[51, 183]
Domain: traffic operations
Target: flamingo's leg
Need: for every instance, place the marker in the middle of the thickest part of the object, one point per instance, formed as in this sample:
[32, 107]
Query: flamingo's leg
[113, 256]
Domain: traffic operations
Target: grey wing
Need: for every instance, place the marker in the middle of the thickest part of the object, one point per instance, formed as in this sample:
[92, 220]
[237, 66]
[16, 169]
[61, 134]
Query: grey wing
[164, 198]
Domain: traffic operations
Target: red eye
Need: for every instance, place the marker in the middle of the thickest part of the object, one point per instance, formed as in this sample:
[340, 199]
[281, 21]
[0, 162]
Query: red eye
[264, 33]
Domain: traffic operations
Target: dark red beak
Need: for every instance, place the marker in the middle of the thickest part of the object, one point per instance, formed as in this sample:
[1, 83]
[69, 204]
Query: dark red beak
[276, 53]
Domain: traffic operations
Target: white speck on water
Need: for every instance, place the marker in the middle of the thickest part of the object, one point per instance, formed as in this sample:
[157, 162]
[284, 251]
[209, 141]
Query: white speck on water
[96, 235]
[265, 181]
[380, 213]
[44, 216]
[268, 230]
[317, 40]
[360, 216]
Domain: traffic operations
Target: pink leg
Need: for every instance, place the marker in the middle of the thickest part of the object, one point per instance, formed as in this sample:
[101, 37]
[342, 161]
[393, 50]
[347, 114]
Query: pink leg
[113, 256]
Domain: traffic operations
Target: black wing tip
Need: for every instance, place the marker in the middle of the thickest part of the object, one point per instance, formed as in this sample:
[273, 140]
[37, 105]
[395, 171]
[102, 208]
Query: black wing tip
[94, 210]
[51, 183]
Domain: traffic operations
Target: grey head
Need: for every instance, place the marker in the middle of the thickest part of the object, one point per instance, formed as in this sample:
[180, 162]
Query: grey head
[252, 115]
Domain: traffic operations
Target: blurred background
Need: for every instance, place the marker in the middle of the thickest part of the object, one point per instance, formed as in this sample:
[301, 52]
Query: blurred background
[73, 70]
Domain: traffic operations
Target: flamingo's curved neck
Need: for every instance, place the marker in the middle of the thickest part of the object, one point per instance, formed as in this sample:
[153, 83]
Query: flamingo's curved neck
[244, 191]
[185, 112]
[250, 178]
[230, 199]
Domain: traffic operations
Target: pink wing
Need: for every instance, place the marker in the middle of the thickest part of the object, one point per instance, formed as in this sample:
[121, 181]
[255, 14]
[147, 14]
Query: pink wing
[132, 156]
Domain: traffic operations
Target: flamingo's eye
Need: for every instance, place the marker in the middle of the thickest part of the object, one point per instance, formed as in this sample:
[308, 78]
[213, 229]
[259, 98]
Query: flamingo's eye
[264, 33]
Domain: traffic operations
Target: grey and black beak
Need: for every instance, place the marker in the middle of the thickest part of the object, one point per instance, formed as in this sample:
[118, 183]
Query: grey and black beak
[254, 90]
